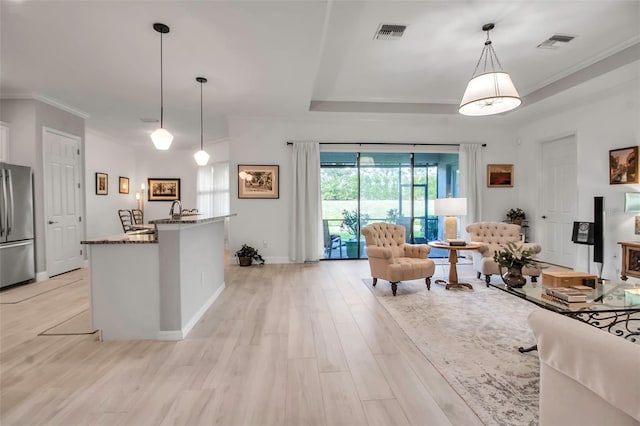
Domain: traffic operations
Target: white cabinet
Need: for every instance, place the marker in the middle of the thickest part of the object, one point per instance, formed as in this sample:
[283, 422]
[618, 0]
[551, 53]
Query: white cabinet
[4, 142]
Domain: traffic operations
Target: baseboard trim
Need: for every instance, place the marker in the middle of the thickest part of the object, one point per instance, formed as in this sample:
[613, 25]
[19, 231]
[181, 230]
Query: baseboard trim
[181, 334]
[42, 276]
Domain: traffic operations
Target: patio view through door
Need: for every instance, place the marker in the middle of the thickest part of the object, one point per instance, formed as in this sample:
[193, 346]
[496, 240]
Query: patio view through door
[360, 188]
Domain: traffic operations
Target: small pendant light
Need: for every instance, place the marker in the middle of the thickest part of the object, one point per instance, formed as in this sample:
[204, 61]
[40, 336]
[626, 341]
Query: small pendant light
[202, 158]
[491, 91]
[161, 137]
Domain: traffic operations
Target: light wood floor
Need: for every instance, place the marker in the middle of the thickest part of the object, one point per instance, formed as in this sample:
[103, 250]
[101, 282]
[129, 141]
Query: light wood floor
[282, 345]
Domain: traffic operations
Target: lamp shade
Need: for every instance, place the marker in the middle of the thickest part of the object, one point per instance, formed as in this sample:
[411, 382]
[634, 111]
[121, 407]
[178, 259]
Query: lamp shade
[488, 94]
[632, 202]
[202, 158]
[450, 206]
[162, 139]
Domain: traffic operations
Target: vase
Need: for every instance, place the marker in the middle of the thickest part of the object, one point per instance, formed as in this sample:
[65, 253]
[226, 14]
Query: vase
[513, 277]
[244, 261]
[352, 248]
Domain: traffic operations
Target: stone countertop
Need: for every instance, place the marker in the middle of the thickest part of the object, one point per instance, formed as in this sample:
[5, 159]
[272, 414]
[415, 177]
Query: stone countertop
[135, 237]
[189, 219]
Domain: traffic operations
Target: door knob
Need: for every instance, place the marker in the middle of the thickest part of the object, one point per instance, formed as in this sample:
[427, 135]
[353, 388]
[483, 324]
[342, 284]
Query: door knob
[51, 222]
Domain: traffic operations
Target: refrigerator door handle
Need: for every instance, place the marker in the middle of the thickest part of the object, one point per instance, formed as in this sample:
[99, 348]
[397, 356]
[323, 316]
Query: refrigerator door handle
[10, 217]
[3, 190]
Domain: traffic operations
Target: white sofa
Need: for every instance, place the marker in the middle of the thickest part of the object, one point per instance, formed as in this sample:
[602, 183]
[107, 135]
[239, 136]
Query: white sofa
[587, 376]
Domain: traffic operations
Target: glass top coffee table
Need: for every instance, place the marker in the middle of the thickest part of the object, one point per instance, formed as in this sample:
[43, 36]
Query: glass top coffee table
[614, 307]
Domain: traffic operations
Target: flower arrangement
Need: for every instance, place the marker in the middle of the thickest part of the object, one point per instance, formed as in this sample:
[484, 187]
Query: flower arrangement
[514, 255]
[516, 214]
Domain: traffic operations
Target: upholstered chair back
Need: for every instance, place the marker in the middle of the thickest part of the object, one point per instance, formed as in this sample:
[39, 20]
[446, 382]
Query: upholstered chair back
[386, 235]
[494, 232]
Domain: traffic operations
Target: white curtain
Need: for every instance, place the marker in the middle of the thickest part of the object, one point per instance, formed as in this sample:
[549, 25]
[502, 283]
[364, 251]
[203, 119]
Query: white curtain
[470, 156]
[220, 188]
[205, 190]
[305, 241]
[213, 193]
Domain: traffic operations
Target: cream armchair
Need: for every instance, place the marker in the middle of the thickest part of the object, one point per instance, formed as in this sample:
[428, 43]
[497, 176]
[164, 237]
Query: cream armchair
[392, 259]
[493, 236]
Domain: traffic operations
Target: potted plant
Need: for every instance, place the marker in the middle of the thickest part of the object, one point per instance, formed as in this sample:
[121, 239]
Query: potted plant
[516, 216]
[514, 257]
[247, 254]
[350, 225]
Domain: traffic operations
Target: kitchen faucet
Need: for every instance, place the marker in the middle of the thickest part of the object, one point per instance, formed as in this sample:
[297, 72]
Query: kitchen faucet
[171, 214]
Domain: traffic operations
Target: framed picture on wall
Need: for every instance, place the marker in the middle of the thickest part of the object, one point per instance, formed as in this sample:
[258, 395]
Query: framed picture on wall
[102, 183]
[124, 185]
[623, 165]
[164, 189]
[258, 181]
[499, 175]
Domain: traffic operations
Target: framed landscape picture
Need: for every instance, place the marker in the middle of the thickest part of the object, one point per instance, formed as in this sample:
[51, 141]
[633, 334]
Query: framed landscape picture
[102, 183]
[623, 165]
[123, 185]
[499, 175]
[258, 181]
[164, 189]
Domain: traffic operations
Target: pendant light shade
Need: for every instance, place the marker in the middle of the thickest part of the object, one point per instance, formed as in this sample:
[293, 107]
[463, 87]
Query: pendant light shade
[201, 157]
[490, 91]
[161, 137]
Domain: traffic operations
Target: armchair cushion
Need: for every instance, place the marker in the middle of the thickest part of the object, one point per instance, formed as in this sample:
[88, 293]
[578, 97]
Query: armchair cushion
[394, 260]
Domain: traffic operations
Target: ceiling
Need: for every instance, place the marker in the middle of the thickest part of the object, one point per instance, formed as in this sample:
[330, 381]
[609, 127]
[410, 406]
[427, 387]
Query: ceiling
[101, 58]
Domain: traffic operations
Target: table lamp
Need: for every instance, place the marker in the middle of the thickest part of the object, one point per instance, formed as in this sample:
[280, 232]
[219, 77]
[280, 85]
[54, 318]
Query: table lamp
[450, 208]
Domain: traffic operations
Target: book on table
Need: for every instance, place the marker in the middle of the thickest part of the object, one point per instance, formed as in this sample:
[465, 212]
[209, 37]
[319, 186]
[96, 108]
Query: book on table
[567, 294]
[455, 242]
[572, 305]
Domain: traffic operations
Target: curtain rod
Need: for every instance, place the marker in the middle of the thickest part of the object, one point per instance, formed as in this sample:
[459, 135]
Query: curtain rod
[389, 143]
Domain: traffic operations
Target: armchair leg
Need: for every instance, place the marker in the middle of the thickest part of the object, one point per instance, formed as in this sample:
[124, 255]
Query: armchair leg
[375, 281]
[428, 282]
[478, 274]
[394, 287]
[487, 279]
[534, 278]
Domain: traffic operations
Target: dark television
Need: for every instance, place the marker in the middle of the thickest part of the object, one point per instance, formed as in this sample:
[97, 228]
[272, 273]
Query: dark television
[583, 233]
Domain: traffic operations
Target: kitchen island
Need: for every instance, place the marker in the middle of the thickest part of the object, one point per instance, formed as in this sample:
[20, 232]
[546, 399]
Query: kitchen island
[156, 285]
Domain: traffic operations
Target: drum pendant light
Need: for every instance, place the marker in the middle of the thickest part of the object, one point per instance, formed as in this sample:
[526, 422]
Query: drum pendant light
[490, 91]
[202, 158]
[161, 137]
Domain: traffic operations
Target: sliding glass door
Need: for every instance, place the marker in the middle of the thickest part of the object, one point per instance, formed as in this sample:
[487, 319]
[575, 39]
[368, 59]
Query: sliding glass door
[361, 188]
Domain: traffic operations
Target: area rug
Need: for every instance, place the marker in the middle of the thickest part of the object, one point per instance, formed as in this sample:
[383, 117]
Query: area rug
[471, 337]
[77, 324]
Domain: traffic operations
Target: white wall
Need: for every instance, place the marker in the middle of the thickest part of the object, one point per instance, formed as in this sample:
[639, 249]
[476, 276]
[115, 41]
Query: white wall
[104, 155]
[263, 141]
[151, 163]
[601, 123]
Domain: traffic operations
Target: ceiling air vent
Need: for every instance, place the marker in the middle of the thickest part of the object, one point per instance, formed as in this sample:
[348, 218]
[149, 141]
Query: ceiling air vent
[149, 120]
[555, 41]
[390, 32]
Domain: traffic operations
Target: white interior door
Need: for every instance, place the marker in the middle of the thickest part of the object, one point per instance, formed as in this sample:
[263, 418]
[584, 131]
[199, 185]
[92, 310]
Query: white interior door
[62, 201]
[559, 200]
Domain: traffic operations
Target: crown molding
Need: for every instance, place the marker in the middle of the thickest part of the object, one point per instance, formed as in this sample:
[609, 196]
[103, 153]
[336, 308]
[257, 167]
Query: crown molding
[45, 100]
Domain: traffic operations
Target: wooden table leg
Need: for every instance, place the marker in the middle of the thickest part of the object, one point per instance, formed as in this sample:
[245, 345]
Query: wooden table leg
[453, 271]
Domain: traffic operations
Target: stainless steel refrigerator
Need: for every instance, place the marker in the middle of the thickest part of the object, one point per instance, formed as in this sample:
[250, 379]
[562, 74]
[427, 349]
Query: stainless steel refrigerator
[16, 225]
